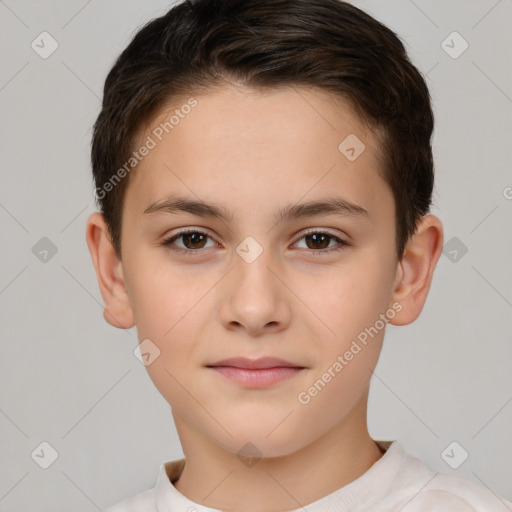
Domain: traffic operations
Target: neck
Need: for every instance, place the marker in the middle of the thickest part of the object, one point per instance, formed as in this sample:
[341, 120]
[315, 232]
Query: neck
[214, 477]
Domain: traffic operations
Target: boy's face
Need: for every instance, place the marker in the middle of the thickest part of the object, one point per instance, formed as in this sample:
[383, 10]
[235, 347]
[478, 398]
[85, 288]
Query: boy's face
[254, 155]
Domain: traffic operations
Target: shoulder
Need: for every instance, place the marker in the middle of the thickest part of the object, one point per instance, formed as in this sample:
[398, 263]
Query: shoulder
[143, 502]
[446, 492]
[152, 499]
[417, 488]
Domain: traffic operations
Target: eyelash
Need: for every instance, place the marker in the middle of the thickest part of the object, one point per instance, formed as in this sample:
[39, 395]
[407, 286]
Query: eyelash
[342, 244]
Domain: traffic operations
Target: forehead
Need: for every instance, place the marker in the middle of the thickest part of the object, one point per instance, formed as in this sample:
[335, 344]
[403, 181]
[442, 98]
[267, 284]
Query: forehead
[257, 145]
[266, 116]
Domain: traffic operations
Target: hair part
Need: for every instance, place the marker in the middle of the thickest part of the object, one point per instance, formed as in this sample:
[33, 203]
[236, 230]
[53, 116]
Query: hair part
[329, 45]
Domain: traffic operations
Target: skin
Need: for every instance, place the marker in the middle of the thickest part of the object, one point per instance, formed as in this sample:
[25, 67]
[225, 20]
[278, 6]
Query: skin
[255, 152]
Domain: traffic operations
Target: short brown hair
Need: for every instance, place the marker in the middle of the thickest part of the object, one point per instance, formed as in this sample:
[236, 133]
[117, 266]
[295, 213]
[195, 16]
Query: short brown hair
[326, 44]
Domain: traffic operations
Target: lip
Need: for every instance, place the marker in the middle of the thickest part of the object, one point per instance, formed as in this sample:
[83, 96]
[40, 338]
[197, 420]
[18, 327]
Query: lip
[256, 373]
[255, 364]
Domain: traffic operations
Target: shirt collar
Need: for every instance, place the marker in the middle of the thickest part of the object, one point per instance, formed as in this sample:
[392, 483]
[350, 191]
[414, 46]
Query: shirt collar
[373, 483]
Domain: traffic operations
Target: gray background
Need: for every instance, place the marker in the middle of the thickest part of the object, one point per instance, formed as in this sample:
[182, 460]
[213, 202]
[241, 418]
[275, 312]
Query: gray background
[70, 379]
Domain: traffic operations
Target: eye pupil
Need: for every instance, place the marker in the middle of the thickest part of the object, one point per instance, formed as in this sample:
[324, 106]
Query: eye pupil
[317, 239]
[194, 238]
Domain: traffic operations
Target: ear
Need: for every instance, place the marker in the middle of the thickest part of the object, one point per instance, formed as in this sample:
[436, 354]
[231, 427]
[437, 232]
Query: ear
[117, 310]
[416, 268]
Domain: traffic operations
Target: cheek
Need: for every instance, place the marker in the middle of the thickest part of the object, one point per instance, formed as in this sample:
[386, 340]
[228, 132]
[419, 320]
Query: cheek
[350, 298]
[330, 396]
[162, 299]
[169, 308]
[341, 377]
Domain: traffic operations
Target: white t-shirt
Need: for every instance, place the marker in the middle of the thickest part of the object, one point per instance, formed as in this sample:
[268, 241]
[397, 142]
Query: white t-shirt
[396, 482]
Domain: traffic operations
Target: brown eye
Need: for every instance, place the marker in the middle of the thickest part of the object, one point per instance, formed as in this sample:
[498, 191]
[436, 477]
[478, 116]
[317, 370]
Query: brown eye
[319, 242]
[192, 241]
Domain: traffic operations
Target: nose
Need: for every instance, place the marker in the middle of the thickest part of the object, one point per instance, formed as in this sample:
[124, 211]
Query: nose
[254, 298]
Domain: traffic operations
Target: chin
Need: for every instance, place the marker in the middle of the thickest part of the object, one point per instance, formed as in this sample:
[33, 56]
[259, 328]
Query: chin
[256, 440]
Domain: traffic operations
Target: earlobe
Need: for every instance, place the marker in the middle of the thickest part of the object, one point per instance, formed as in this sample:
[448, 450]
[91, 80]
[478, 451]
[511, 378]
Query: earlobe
[415, 269]
[117, 310]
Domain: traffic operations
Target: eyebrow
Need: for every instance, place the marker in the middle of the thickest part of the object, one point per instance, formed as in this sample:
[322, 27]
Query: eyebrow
[323, 206]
